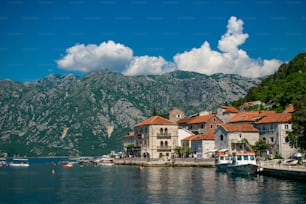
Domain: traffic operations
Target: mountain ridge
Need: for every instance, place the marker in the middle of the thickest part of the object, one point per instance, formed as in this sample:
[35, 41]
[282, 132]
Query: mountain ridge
[34, 114]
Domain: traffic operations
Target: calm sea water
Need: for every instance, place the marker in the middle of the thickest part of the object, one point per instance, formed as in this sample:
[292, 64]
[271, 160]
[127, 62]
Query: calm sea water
[129, 184]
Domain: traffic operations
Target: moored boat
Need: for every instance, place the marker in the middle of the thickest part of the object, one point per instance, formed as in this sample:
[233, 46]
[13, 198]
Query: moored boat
[243, 162]
[3, 162]
[222, 160]
[19, 163]
[105, 161]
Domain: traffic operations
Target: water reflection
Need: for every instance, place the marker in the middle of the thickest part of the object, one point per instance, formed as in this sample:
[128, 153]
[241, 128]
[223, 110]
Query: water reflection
[129, 184]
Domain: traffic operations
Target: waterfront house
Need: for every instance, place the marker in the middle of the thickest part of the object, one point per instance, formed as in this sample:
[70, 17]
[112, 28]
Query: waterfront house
[201, 124]
[231, 136]
[182, 133]
[129, 145]
[156, 136]
[274, 130]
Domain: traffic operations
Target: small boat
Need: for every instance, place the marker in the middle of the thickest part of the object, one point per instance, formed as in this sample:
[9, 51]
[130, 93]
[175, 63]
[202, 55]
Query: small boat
[3, 162]
[105, 161]
[68, 165]
[19, 163]
[243, 163]
[222, 160]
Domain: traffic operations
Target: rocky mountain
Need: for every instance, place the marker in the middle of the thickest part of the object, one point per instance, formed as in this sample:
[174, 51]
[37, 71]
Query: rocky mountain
[70, 115]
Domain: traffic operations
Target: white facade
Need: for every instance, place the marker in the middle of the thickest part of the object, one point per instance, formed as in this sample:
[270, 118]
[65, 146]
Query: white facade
[156, 140]
[276, 136]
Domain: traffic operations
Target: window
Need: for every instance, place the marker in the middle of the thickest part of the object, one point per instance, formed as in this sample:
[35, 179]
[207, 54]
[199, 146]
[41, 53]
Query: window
[166, 131]
[287, 139]
[166, 143]
[161, 143]
[161, 131]
[221, 137]
[211, 126]
[245, 157]
[286, 126]
[239, 157]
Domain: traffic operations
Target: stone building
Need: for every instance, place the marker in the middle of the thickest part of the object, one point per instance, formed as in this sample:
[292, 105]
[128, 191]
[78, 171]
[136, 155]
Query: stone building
[156, 136]
[231, 136]
[274, 129]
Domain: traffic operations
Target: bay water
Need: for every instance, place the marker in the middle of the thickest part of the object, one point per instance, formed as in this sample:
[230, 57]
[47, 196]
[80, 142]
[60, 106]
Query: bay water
[130, 184]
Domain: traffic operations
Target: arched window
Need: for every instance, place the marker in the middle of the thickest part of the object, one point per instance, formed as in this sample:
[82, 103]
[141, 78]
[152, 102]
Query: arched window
[161, 131]
[221, 137]
[166, 131]
[161, 143]
[166, 143]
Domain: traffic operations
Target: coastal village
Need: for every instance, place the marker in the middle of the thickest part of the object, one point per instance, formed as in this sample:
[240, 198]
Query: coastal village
[207, 132]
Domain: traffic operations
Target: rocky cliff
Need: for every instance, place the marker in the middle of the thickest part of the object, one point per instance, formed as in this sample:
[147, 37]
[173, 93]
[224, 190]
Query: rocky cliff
[70, 115]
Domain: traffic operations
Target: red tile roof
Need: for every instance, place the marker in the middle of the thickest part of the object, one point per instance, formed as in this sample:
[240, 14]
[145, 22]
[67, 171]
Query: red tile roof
[205, 136]
[187, 138]
[249, 116]
[239, 127]
[230, 109]
[155, 120]
[199, 119]
[276, 118]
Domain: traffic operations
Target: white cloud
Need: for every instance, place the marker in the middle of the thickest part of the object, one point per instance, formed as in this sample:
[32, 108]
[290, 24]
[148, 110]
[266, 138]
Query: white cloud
[229, 59]
[145, 65]
[86, 58]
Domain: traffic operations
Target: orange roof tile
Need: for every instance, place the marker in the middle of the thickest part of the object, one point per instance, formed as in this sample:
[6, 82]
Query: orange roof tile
[183, 120]
[249, 116]
[155, 120]
[239, 127]
[276, 118]
[199, 119]
[187, 138]
[230, 109]
[205, 136]
[128, 135]
[289, 109]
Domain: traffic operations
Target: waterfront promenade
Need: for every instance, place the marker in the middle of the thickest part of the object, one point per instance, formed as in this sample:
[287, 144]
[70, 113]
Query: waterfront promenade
[269, 167]
[174, 162]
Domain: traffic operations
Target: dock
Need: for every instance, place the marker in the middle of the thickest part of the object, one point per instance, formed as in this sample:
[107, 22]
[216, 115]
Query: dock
[280, 170]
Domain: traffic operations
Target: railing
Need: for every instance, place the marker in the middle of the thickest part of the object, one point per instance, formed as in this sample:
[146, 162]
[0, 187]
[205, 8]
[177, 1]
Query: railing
[163, 135]
[163, 148]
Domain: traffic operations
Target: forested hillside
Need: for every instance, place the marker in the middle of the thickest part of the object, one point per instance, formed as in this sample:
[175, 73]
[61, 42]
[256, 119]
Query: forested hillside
[284, 87]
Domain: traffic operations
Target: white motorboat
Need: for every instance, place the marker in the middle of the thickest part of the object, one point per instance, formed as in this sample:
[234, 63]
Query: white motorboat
[243, 163]
[222, 160]
[19, 163]
[105, 161]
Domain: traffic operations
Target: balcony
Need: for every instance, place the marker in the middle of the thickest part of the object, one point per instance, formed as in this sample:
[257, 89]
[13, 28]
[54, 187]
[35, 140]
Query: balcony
[163, 148]
[164, 135]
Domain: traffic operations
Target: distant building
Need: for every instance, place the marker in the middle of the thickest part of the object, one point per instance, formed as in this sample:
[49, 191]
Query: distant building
[156, 137]
[176, 114]
[201, 124]
[226, 112]
[274, 130]
[231, 136]
[248, 117]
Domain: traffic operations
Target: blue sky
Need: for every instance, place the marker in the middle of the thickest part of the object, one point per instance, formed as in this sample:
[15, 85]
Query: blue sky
[251, 38]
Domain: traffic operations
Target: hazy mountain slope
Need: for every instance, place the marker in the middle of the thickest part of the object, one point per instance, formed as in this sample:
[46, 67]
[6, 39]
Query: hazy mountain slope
[34, 115]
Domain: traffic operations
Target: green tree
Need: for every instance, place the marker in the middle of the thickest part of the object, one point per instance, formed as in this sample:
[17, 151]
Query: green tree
[260, 147]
